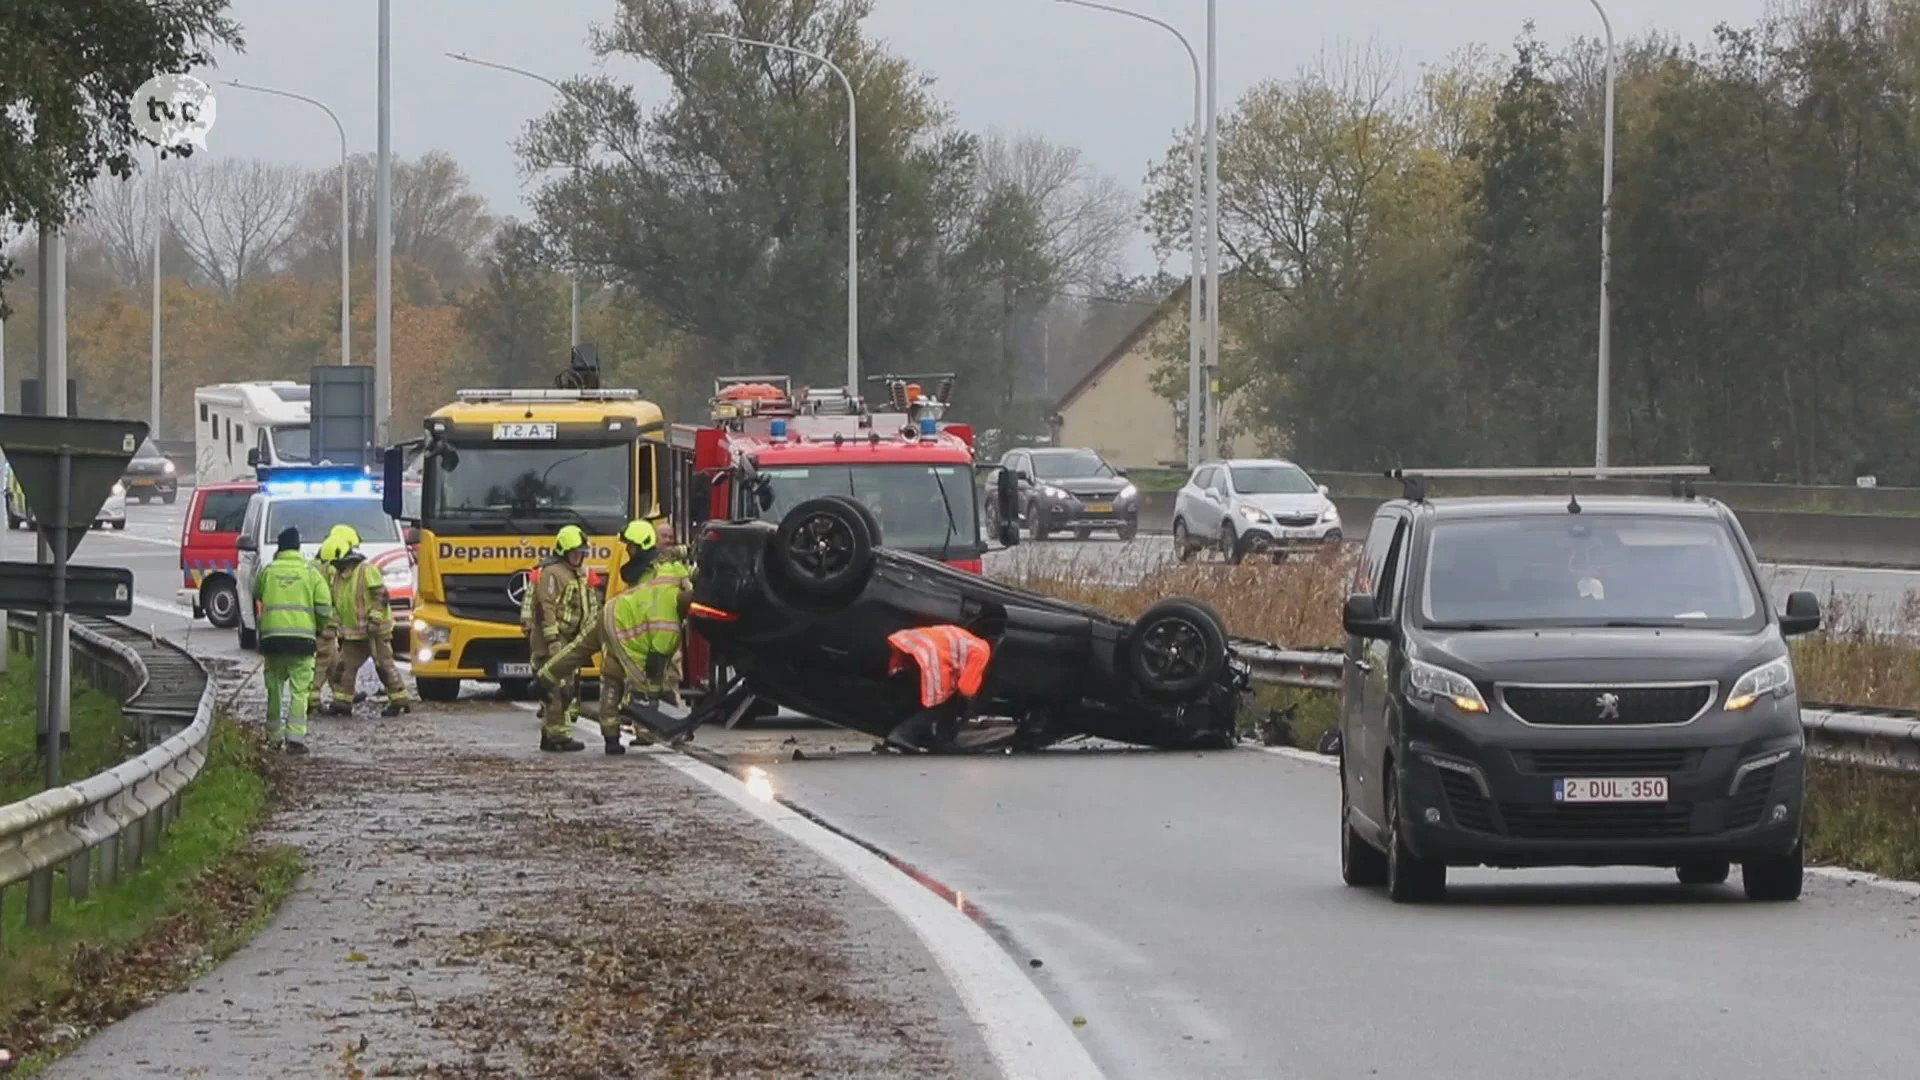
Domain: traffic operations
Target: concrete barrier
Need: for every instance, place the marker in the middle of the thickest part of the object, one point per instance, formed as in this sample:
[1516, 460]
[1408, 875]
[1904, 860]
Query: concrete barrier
[1779, 536]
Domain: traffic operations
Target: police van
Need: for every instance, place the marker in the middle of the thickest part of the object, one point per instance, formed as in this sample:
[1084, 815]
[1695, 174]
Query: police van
[313, 499]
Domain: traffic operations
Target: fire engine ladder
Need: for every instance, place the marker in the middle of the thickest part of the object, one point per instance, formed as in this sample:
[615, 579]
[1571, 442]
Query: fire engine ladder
[837, 402]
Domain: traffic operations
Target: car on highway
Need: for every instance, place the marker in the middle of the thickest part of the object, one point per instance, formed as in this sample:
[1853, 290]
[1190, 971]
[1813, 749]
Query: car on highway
[151, 475]
[1543, 681]
[802, 610]
[209, 551]
[313, 499]
[1068, 488]
[112, 513]
[1246, 506]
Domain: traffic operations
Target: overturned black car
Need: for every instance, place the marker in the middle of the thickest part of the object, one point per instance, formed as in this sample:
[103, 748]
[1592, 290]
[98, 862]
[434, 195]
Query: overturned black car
[801, 613]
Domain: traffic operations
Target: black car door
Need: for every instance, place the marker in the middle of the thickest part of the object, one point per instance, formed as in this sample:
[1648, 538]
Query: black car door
[1364, 690]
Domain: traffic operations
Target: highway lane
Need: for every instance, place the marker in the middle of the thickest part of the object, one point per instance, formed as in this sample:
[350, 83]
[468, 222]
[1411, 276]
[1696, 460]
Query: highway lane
[1190, 907]
[1886, 600]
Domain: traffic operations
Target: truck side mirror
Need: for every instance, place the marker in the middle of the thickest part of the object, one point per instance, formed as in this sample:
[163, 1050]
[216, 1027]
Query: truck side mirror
[393, 483]
[253, 458]
[1006, 506]
[246, 543]
[699, 499]
[1802, 615]
[1361, 615]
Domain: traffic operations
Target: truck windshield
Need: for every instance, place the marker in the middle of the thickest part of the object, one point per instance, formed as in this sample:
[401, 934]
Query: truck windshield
[293, 443]
[547, 484]
[911, 500]
[315, 518]
[1587, 570]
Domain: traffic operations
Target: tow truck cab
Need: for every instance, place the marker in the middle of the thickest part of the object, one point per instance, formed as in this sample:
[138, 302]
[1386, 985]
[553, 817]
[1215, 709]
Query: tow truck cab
[766, 450]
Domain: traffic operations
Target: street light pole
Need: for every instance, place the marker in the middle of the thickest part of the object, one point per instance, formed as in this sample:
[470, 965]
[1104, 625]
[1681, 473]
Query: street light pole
[1196, 390]
[573, 277]
[853, 202]
[383, 237]
[1213, 235]
[346, 263]
[153, 374]
[1603, 405]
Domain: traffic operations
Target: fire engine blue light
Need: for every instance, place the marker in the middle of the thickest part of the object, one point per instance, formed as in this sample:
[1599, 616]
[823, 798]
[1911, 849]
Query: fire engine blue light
[927, 425]
[316, 480]
[779, 429]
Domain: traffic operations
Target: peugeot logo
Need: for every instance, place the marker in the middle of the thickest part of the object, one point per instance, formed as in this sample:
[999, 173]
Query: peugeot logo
[1609, 705]
[517, 587]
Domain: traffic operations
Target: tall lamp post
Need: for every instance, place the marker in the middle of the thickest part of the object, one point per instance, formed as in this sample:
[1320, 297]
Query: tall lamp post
[1602, 399]
[1213, 233]
[383, 235]
[853, 201]
[1196, 390]
[153, 372]
[346, 263]
[572, 277]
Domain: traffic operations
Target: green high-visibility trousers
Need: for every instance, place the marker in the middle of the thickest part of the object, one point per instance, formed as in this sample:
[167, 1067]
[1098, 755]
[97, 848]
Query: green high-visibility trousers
[289, 679]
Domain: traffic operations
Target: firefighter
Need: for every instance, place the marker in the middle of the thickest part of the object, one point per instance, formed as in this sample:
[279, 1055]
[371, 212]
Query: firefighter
[559, 601]
[327, 647]
[642, 549]
[366, 624]
[643, 623]
[291, 605]
[675, 564]
[952, 664]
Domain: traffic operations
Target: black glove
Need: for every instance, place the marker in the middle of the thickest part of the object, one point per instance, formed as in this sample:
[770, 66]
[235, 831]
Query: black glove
[656, 666]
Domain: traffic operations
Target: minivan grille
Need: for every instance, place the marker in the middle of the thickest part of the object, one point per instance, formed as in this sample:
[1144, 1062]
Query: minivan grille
[1601, 705]
[1597, 821]
[1607, 762]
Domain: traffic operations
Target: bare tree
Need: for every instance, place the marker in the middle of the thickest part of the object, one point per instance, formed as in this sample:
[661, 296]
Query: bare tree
[235, 216]
[118, 221]
[438, 221]
[1087, 218]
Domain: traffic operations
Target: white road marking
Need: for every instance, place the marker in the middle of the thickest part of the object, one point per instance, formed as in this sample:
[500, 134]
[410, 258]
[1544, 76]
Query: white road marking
[163, 608]
[1832, 873]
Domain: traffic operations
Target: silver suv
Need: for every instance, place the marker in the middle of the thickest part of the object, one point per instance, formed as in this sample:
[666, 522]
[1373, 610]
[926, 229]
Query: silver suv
[1254, 505]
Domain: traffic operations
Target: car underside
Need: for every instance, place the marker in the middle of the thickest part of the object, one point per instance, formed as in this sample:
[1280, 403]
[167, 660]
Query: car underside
[802, 611]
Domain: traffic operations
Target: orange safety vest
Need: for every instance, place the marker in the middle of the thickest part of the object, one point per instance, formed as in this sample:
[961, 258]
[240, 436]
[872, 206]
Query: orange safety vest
[950, 659]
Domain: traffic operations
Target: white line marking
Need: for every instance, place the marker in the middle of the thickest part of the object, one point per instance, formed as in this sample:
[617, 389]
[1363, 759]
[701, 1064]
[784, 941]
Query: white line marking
[1833, 873]
[164, 609]
[138, 539]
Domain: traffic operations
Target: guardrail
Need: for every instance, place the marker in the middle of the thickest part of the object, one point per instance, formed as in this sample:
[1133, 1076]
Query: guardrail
[95, 829]
[1880, 738]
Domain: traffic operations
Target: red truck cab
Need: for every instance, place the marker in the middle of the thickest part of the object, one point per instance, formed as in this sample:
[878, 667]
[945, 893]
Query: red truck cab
[208, 556]
[767, 450]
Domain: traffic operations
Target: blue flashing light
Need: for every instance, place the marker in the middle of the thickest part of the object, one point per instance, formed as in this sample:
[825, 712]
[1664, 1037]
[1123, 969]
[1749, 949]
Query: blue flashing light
[927, 426]
[316, 480]
[779, 429]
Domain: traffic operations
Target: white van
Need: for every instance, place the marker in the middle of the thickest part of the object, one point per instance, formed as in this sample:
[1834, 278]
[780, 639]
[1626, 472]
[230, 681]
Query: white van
[240, 425]
[314, 507]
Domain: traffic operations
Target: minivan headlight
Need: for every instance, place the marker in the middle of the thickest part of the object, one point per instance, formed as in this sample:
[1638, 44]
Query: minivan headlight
[1429, 683]
[1253, 513]
[1773, 678]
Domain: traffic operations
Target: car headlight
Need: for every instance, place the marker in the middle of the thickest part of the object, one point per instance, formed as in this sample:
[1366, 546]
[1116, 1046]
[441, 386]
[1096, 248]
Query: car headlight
[1775, 678]
[1253, 513]
[1129, 491]
[429, 635]
[1331, 513]
[1430, 683]
[1052, 492]
[118, 488]
[167, 467]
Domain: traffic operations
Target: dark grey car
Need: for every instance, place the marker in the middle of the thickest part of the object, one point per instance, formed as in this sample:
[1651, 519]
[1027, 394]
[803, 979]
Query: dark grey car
[151, 475]
[1070, 488]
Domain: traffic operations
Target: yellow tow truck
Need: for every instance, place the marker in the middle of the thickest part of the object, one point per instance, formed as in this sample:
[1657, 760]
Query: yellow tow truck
[498, 473]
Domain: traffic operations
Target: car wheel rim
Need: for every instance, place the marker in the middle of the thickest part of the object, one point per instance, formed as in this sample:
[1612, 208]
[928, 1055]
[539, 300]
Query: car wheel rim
[1173, 649]
[222, 603]
[822, 546]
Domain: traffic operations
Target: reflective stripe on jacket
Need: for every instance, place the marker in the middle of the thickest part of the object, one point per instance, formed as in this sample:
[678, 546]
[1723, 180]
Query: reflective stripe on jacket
[360, 601]
[290, 600]
[950, 660]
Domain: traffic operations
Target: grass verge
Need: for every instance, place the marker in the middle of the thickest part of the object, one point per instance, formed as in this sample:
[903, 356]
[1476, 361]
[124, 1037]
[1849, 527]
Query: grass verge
[207, 889]
[97, 741]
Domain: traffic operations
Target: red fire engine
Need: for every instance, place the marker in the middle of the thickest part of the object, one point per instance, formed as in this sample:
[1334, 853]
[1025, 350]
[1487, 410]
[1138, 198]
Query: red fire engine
[767, 449]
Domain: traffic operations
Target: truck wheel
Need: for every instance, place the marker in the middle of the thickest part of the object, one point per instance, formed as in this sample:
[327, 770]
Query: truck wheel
[1177, 648]
[822, 549]
[437, 689]
[221, 602]
[866, 515]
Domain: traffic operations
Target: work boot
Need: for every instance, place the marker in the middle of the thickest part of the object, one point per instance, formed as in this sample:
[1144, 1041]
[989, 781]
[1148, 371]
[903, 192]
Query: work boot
[295, 746]
[395, 708]
[613, 745]
[339, 708]
[565, 745]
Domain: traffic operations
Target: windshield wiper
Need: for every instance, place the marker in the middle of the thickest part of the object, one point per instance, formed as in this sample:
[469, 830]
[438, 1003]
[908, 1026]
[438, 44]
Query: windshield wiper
[953, 527]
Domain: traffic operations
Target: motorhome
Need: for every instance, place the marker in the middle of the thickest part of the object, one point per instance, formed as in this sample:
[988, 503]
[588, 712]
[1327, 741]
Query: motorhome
[238, 426]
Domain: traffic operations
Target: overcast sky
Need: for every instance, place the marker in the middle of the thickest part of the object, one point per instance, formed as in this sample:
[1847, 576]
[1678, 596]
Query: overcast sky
[1115, 87]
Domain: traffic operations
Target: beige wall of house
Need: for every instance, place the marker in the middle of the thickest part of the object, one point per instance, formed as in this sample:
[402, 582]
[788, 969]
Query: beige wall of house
[1118, 414]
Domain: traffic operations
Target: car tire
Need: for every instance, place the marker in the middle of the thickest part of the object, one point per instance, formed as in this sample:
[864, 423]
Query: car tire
[1176, 648]
[1775, 880]
[441, 690]
[1083, 534]
[1410, 878]
[221, 601]
[1703, 871]
[1362, 865]
[1036, 522]
[120, 526]
[169, 497]
[822, 549]
[866, 516]
[1182, 543]
[1128, 531]
[1230, 544]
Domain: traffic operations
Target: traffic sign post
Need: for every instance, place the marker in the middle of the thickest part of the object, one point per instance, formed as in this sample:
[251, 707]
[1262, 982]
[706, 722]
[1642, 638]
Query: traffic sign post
[65, 468]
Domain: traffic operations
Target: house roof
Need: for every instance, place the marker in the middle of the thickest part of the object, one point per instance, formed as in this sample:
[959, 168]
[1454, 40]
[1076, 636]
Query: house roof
[1120, 351]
